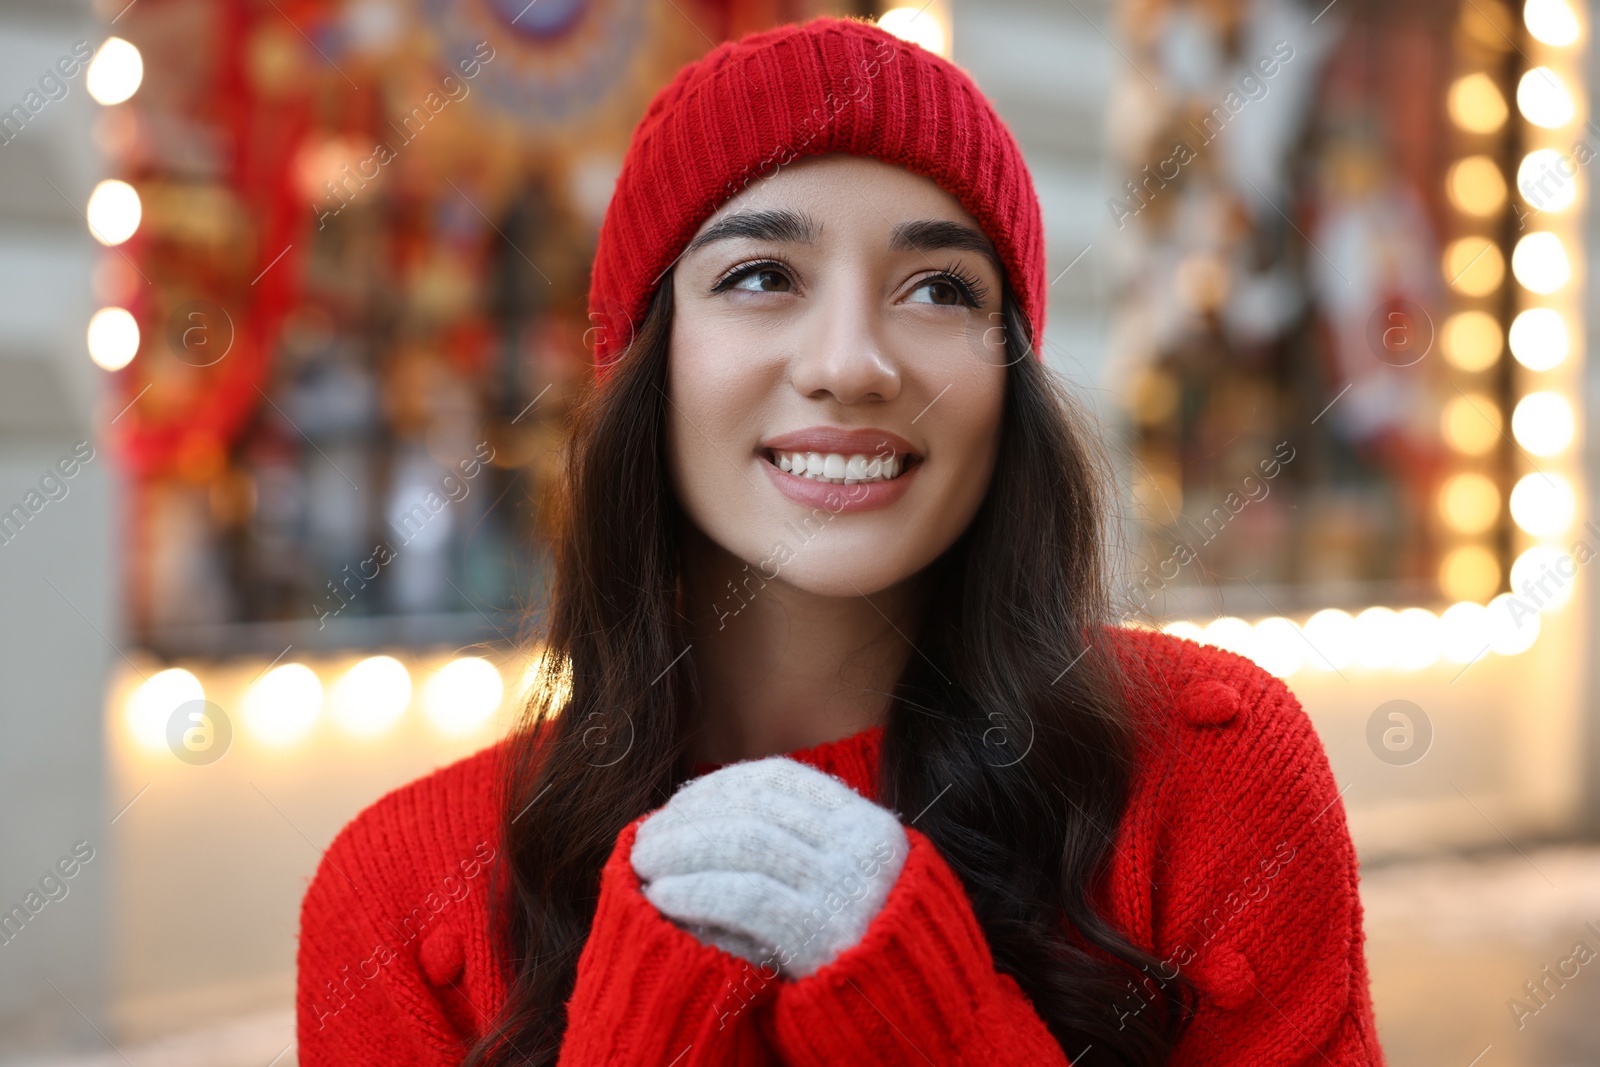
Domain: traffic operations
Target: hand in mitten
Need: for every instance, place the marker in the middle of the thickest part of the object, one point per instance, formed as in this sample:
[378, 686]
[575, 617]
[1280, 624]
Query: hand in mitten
[771, 860]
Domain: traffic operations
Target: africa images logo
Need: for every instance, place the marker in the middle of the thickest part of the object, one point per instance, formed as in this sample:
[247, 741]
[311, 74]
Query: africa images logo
[199, 732]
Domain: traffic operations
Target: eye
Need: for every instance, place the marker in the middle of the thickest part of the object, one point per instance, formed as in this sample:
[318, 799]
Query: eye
[951, 287]
[940, 290]
[763, 277]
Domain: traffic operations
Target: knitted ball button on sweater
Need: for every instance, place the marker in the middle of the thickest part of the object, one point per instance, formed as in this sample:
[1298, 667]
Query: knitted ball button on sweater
[1209, 703]
[442, 958]
[1227, 977]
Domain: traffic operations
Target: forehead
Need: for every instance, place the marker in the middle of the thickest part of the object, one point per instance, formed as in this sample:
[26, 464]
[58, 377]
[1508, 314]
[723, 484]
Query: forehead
[859, 191]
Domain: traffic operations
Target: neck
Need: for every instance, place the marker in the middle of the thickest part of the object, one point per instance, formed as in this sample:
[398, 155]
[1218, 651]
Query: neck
[780, 668]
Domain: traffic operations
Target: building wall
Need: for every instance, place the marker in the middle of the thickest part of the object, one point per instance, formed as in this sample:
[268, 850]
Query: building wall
[1049, 72]
[57, 583]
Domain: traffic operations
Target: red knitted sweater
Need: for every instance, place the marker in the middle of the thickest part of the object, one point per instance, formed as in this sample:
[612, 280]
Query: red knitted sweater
[1233, 864]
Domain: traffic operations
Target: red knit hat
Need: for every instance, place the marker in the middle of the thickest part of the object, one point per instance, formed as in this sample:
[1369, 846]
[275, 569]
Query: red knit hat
[828, 85]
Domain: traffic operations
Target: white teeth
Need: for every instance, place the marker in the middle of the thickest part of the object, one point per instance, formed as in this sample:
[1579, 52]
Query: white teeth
[838, 468]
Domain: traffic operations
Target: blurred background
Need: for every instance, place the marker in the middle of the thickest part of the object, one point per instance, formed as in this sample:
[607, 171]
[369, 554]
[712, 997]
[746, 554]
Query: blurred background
[292, 305]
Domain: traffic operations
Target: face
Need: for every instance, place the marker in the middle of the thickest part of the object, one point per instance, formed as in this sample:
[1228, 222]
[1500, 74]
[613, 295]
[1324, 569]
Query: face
[836, 376]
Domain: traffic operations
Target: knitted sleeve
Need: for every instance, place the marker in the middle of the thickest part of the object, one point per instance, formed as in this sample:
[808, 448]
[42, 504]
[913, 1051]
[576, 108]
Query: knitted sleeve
[361, 997]
[650, 994]
[1234, 862]
[920, 987]
[1258, 903]
[371, 990]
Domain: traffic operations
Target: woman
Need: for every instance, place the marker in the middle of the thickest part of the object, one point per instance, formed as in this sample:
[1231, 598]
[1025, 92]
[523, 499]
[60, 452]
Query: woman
[851, 765]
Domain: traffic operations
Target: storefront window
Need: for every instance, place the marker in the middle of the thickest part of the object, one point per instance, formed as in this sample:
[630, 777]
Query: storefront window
[1319, 239]
[360, 289]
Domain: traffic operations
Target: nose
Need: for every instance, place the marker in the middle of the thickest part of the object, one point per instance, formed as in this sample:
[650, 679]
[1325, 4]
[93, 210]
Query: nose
[841, 352]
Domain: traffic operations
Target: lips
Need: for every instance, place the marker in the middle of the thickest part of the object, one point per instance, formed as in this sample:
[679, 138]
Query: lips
[868, 441]
[846, 493]
[835, 467]
[841, 455]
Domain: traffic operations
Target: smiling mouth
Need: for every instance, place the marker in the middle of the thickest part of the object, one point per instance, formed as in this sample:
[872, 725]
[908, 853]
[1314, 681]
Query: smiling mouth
[841, 468]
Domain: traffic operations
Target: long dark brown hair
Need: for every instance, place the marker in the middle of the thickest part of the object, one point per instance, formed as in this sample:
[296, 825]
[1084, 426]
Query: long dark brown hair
[1023, 732]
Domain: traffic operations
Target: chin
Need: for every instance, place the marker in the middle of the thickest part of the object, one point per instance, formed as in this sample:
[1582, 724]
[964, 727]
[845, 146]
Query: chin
[819, 577]
[836, 562]
[835, 555]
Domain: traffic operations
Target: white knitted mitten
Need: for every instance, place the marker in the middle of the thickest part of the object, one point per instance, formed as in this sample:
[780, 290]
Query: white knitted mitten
[771, 860]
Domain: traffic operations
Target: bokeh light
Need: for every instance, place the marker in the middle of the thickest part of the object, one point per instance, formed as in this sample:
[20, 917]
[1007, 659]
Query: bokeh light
[1185, 629]
[1552, 21]
[1333, 637]
[917, 24]
[1539, 338]
[1471, 423]
[1469, 572]
[1420, 639]
[1544, 100]
[1232, 633]
[115, 72]
[1513, 625]
[1472, 340]
[114, 212]
[371, 696]
[1476, 186]
[1544, 576]
[1469, 502]
[113, 338]
[1543, 423]
[1464, 631]
[153, 703]
[1377, 632]
[1543, 504]
[462, 696]
[1548, 180]
[1476, 104]
[1474, 266]
[283, 704]
[1540, 263]
[1279, 646]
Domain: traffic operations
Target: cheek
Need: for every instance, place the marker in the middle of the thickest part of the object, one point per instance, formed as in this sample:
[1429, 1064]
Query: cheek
[684, 445]
[963, 428]
[711, 429]
[701, 378]
[970, 437]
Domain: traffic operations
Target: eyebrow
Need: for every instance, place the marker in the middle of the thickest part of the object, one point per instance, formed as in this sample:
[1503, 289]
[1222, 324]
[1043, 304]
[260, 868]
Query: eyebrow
[792, 227]
[930, 235]
[778, 225]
